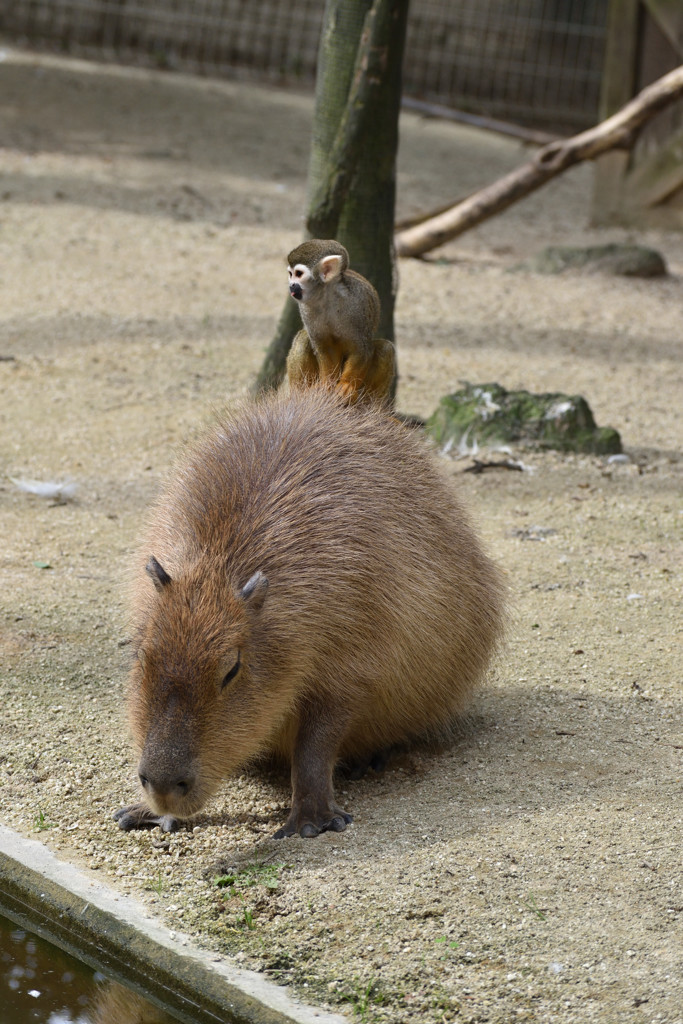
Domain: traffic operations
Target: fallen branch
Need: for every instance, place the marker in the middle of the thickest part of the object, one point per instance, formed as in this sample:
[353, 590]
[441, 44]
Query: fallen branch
[618, 131]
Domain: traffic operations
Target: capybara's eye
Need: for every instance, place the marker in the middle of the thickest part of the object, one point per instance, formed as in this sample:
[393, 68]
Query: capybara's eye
[233, 671]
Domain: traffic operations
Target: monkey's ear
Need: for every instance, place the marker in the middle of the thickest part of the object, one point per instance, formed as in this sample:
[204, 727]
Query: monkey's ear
[330, 267]
[160, 577]
[254, 591]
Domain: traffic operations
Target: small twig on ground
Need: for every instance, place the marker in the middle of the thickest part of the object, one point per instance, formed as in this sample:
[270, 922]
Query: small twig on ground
[479, 466]
[196, 194]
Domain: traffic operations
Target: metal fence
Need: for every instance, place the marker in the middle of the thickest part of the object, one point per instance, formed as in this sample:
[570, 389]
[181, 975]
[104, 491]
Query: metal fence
[538, 62]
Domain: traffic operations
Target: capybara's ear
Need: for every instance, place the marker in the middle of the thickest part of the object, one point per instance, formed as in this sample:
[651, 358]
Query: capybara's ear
[160, 577]
[254, 590]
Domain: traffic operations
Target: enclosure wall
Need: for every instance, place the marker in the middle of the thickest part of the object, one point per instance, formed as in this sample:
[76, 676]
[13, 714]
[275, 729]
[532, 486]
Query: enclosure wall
[538, 62]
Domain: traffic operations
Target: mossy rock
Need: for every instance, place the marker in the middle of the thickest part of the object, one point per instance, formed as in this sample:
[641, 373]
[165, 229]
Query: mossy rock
[490, 415]
[619, 260]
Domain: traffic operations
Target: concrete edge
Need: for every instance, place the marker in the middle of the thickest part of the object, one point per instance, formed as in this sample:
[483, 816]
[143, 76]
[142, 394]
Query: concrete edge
[116, 935]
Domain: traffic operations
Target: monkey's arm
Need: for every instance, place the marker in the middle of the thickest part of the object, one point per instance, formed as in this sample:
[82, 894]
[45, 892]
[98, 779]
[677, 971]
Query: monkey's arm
[302, 364]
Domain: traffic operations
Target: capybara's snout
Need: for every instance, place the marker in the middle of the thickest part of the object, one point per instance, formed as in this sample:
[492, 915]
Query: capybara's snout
[170, 785]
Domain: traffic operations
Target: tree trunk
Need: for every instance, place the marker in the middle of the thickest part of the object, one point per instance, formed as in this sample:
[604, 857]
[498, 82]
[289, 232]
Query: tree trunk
[366, 224]
[352, 168]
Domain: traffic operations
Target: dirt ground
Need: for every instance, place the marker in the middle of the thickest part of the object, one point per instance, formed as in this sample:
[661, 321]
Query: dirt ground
[531, 873]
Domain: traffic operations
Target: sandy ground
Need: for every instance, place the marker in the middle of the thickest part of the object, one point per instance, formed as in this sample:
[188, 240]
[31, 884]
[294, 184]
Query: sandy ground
[531, 873]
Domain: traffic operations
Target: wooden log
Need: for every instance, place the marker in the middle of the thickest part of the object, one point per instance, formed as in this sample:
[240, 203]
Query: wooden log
[618, 131]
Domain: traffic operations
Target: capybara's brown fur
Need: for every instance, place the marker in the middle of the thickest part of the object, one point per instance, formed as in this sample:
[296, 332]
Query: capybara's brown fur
[310, 587]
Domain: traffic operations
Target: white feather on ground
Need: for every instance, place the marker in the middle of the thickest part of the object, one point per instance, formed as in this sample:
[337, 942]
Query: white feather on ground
[57, 490]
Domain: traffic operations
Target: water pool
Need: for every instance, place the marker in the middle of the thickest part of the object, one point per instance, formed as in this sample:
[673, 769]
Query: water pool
[41, 984]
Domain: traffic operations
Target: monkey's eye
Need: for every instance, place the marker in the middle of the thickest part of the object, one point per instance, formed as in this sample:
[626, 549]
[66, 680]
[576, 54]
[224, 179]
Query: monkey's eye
[229, 676]
[298, 273]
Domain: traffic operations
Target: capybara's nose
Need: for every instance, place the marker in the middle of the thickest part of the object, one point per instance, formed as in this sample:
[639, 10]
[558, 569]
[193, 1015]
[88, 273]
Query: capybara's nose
[176, 785]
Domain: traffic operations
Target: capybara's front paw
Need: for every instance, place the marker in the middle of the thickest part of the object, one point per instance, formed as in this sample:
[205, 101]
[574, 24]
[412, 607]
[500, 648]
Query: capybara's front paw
[140, 816]
[335, 820]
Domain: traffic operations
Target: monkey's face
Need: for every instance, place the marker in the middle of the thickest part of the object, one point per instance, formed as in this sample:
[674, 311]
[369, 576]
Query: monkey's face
[300, 278]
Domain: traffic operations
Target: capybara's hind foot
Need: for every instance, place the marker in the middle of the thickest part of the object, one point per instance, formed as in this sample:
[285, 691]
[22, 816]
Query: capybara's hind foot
[140, 816]
[308, 829]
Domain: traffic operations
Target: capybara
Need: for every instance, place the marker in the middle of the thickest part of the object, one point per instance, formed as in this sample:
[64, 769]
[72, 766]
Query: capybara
[309, 588]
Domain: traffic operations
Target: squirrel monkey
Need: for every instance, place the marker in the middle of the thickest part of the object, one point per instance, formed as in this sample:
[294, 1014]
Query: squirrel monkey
[340, 312]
